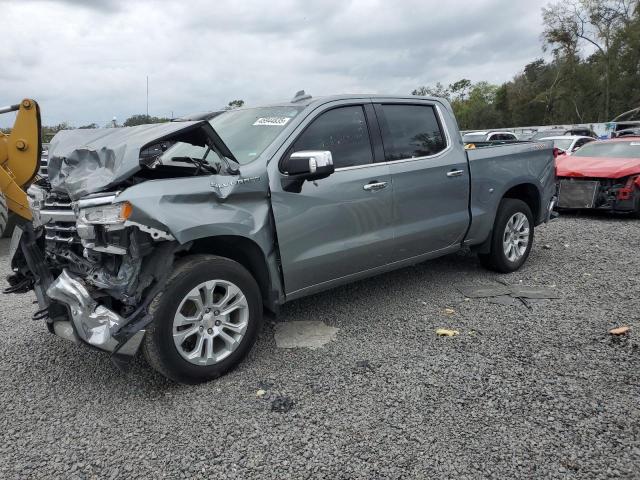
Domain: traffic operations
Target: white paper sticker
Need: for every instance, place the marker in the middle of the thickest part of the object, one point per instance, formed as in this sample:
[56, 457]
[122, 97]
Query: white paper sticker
[277, 121]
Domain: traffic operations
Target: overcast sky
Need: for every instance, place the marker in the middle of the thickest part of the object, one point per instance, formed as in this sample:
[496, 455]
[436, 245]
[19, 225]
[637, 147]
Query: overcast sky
[87, 60]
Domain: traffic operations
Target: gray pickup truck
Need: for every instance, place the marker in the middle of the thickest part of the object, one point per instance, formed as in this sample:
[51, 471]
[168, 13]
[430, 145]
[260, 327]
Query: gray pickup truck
[180, 252]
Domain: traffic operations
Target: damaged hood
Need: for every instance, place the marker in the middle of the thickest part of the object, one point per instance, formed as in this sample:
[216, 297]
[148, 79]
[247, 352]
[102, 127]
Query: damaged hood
[597, 167]
[86, 161]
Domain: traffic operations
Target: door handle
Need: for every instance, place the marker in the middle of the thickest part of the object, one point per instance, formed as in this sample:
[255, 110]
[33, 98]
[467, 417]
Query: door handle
[374, 186]
[455, 173]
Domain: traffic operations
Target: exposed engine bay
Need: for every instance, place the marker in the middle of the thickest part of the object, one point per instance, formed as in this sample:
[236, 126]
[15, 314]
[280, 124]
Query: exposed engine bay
[618, 195]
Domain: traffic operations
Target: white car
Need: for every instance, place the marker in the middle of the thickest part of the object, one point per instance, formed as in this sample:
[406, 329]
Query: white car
[489, 136]
[568, 143]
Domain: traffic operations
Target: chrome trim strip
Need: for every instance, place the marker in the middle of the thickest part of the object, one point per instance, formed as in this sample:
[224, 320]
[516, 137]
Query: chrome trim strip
[60, 228]
[55, 238]
[95, 202]
[47, 216]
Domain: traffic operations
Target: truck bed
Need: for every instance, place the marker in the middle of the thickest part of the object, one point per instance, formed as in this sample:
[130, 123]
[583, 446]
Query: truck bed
[495, 169]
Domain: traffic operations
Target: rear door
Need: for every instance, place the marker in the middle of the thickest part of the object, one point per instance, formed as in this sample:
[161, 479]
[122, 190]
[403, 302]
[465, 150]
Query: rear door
[340, 225]
[430, 177]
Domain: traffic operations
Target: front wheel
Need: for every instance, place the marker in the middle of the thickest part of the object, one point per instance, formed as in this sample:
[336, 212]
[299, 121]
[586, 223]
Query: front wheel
[512, 237]
[205, 321]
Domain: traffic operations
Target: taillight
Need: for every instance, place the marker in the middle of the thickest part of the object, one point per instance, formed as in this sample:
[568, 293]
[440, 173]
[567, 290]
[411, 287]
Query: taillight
[556, 152]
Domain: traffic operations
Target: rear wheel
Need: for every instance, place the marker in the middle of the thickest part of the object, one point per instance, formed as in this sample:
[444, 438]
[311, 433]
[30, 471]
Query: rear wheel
[4, 214]
[205, 321]
[512, 237]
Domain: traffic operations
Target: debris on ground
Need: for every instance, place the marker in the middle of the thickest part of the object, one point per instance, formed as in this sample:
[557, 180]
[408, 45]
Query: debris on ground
[281, 404]
[304, 334]
[620, 330]
[364, 366]
[445, 332]
[261, 393]
[505, 300]
[546, 247]
[449, 311]
[510, 295]
[265, 384]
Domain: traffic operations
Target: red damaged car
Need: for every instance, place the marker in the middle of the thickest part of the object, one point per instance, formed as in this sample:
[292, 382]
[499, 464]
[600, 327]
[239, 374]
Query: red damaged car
[603, 175]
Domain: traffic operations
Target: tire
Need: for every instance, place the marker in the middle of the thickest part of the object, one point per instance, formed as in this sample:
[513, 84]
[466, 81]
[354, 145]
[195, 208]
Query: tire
[164, 354]
[4, 214]
[497, 259]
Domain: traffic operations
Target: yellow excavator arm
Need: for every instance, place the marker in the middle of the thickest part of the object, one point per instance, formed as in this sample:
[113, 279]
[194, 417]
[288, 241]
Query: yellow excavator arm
[20, 153]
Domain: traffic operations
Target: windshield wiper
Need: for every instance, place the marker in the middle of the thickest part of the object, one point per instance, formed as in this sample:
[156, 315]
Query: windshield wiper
[199, 162]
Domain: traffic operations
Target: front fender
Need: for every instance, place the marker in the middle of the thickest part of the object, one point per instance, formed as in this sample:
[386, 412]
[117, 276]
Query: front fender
[201, 207]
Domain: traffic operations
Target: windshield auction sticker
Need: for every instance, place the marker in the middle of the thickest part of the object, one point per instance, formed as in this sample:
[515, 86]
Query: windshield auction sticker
[276, 121]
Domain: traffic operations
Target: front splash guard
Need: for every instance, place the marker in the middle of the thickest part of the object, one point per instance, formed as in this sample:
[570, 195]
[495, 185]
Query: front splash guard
[94, 323]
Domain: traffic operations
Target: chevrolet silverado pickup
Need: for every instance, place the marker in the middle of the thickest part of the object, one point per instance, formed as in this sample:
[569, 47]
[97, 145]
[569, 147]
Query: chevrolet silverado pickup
[178, 253]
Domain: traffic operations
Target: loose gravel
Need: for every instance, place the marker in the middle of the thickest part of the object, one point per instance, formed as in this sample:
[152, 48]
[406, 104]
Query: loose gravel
[519, 393]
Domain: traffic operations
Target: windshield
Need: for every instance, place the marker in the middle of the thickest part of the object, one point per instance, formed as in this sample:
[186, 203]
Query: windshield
[615, 149]
[247, 132]
[474, 137]
[562, 144]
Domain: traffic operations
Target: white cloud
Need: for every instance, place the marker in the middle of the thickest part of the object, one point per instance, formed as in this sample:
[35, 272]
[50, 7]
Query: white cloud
[87, 61]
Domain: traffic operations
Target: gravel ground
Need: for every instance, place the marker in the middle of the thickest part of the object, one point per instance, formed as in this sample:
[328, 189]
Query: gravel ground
[543, 393]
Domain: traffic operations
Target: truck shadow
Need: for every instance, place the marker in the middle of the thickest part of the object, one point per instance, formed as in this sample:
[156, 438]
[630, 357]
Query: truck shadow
[56, 357]
[433, 280]
[597, 215]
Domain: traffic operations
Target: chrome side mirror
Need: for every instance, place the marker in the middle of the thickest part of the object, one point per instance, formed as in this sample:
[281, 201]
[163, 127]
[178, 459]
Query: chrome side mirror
[306, 165]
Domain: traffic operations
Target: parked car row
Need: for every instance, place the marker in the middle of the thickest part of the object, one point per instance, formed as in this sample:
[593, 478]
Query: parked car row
[505, 135]
[568, 144]
[592, 173]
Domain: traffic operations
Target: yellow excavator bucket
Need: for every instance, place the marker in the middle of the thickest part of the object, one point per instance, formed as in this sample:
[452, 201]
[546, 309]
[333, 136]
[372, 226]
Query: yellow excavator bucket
[20, 153]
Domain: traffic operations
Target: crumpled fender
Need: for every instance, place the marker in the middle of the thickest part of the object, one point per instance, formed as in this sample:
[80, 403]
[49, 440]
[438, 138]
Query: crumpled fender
[199, 207]
[202, 206]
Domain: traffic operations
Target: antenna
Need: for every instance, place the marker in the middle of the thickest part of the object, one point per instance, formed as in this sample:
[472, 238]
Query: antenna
[147, 96]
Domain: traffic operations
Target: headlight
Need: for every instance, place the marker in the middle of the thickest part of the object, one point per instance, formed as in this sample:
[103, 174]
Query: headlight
[110, 214]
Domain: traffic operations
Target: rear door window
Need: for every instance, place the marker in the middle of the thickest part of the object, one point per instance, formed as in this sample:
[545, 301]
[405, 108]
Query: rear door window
[410, 131]
[344, 132]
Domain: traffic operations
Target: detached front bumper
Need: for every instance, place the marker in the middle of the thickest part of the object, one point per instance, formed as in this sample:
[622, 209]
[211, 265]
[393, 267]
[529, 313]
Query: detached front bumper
[107, 310]
[94, 323]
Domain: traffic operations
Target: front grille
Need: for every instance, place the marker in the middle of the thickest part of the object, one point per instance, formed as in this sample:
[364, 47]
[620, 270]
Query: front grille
[43, 171]
[577, 193]
[59, 220]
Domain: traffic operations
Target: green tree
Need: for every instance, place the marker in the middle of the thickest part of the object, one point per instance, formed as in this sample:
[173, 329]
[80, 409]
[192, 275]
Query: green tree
[438, 90]
[141, 119]
[594, 22]
[234, 104]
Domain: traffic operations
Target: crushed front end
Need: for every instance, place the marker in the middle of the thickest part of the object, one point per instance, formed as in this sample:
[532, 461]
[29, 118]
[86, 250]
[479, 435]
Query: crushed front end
[93, 270]
[620, 195]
